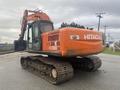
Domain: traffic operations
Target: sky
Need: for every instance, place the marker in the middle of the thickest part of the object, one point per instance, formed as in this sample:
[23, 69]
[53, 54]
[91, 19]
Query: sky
[82, 12]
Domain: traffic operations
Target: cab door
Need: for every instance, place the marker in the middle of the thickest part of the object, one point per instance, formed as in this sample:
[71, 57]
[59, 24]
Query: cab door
[36, 37]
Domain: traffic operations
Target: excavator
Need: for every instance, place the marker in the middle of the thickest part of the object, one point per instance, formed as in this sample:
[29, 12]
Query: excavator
[59, 52]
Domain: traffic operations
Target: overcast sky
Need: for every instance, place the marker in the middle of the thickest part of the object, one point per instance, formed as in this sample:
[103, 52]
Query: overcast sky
[81, 11]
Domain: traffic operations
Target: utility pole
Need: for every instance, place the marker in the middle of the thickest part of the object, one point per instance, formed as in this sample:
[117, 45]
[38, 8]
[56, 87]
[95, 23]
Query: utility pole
[105, 33]
[99, 15]
[105, 27]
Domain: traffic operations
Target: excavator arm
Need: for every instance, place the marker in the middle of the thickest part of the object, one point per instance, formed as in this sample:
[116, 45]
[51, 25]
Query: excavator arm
[28, 17]
[31, 16]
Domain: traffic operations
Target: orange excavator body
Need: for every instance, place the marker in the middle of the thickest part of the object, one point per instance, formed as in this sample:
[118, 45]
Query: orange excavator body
[63, 42]
[72, 42]
[66, 48]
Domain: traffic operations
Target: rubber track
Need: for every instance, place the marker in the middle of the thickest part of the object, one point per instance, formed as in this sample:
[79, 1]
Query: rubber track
[42, 66]
[96, 62]
[83, 63]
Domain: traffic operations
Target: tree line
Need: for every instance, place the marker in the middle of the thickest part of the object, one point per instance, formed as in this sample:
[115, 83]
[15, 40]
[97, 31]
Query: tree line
[73, 24]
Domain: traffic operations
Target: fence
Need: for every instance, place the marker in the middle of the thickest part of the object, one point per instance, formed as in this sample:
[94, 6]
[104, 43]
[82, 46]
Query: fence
[6, 47]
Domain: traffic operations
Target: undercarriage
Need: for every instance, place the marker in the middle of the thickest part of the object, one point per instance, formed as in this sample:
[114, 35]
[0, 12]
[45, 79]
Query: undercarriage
[57, 70]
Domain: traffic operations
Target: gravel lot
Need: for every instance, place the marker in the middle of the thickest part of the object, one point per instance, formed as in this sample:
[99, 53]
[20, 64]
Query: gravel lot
[12, 77]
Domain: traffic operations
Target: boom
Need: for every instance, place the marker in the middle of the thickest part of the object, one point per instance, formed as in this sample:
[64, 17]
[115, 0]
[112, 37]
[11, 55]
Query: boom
[31, 16]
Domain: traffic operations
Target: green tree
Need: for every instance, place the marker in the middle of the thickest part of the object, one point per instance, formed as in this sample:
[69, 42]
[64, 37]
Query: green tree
[73, 24]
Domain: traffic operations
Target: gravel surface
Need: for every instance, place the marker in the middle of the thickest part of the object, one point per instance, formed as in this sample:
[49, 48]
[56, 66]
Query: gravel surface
[13, 77]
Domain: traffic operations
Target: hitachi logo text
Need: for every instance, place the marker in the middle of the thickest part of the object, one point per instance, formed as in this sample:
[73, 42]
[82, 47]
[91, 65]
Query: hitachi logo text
[91, 36]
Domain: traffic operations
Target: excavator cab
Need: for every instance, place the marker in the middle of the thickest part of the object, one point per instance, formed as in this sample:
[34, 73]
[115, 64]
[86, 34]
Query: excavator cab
[35, 29]
[37, 22]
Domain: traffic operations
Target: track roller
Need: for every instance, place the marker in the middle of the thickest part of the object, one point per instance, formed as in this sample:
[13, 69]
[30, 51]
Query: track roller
[92, 63]
[50, 69]
[89, 63]
[24, 63]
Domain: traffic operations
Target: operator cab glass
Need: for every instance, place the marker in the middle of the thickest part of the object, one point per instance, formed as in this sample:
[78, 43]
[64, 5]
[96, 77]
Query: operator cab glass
[45, 27]
[34, 34]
